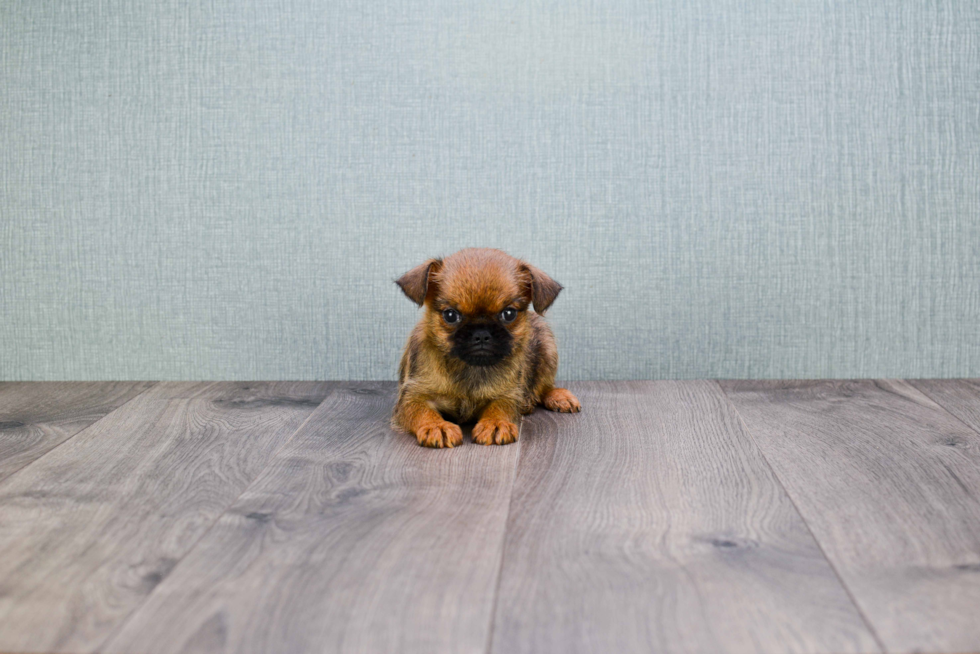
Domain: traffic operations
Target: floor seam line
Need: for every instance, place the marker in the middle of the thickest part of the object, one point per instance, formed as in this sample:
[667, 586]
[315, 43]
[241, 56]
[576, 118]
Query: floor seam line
[503, 543]
[115, 632]
[943, 406]
[789, 496]
[84, 429]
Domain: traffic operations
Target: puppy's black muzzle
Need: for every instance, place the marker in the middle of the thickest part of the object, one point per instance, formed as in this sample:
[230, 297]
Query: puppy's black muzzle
[482, 344]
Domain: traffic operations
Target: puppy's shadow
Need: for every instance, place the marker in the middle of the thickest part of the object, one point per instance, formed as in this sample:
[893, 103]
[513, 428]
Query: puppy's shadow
[467, 428]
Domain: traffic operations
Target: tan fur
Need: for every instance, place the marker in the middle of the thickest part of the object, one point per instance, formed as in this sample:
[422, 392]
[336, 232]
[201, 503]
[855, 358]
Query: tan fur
[433, 383]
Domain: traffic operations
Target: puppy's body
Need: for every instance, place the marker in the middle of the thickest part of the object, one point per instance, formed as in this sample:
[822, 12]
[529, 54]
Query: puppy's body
[462, 391]
[478, 353]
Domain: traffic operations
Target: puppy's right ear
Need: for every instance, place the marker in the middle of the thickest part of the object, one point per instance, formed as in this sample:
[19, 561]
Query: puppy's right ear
[543, 289]
[417, 282]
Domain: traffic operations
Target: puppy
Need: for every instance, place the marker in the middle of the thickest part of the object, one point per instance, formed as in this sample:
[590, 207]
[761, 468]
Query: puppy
[478, 353]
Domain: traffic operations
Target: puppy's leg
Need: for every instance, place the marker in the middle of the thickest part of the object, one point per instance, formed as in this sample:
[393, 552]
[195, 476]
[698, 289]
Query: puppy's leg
[561, 400]
[496, 425]
[546, 365]
[430, 428]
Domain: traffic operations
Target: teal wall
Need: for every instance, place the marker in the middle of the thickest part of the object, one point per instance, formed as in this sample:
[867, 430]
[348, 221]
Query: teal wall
[746, 188]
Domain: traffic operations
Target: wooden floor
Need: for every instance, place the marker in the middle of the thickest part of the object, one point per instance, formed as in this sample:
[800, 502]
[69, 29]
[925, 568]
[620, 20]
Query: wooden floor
[689, 516]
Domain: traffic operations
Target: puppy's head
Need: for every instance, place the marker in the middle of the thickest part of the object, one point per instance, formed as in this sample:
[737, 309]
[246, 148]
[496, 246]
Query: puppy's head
[476, 303]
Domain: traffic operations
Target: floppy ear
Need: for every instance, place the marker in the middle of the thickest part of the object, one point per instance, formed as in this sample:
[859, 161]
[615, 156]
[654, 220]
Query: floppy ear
[415, 283]
[544, 289]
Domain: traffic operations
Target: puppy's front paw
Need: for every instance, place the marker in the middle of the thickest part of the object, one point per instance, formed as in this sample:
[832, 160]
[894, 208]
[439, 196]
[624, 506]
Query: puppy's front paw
[561, 400]
[490, 431]
[440, 434]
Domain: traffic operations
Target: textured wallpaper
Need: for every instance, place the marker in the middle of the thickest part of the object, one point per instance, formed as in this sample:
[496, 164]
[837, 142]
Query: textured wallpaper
[227, 189]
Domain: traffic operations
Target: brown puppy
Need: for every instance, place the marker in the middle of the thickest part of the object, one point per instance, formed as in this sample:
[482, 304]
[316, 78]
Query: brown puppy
[478, 352]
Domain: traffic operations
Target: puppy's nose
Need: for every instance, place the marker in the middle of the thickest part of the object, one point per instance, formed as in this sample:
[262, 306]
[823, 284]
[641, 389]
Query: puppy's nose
[480, 338]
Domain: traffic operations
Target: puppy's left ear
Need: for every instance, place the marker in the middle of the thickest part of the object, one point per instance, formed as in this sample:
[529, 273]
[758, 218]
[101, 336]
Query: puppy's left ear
[544, 289]
[416, 282]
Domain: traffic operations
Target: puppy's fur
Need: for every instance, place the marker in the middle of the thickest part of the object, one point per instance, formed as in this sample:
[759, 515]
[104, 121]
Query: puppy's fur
[478, 353]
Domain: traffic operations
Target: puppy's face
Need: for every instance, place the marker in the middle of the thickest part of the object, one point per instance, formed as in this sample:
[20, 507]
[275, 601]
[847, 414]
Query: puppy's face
[478, 316]
[476, 303]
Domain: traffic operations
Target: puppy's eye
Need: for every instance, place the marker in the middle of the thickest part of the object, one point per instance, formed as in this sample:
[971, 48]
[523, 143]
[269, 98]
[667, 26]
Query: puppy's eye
[451, 316]
[508, 314]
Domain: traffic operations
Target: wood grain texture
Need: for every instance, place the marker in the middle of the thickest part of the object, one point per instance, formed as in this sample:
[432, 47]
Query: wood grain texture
[651, 523]
[961, 397]
[247, 394]
[36, 417]
[88, 531]
[889, 482]
[354, 539]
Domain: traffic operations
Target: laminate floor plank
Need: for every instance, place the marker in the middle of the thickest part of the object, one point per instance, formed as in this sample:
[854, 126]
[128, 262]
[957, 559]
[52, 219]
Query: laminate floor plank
[249, 394]
[889, 482]
[90, 529]
[36, 417]
[354, 539]
[961, 397]
[650, 522]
